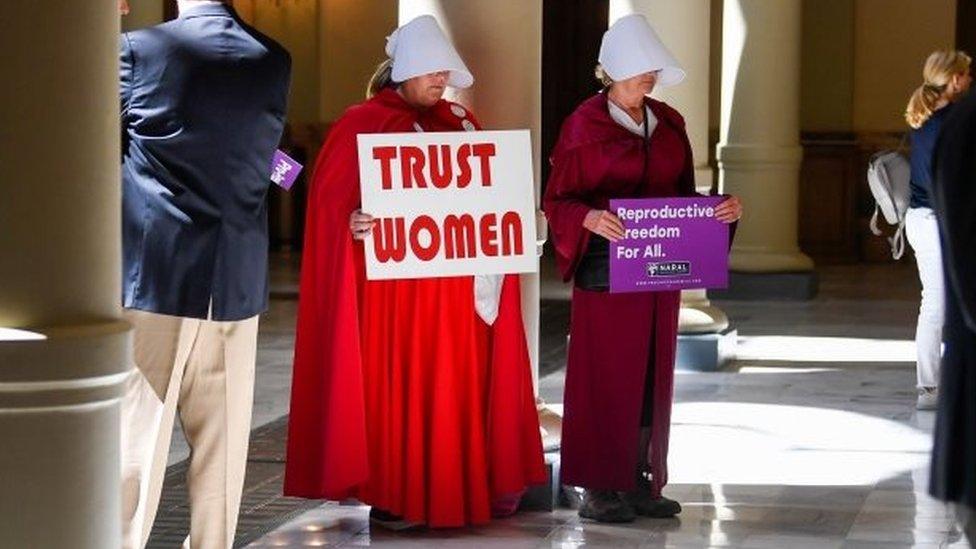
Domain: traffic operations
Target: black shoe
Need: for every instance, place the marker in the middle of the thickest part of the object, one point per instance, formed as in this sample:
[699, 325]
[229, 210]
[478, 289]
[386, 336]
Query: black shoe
[646, 505]
[605, 506]
[392, 522]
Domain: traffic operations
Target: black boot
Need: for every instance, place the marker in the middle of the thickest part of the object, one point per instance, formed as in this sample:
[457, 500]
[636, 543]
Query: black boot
[392, 522]
[644, 503]
[605, 506]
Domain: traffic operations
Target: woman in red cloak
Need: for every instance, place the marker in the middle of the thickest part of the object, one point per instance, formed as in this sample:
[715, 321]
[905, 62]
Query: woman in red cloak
[407, 394]
[620, 369]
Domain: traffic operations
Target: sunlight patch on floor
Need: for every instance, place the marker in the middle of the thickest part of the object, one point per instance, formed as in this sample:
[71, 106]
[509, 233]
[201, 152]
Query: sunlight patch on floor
[824, 349]
[768, 444]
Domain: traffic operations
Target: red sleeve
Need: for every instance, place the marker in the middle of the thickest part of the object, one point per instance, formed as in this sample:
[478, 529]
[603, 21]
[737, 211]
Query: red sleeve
[566, 209]
[515, 445]
[327, 426]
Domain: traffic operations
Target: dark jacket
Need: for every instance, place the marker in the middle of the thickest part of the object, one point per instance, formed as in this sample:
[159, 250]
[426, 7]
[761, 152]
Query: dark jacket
[923, 148]
[954, 458]
[203, 104]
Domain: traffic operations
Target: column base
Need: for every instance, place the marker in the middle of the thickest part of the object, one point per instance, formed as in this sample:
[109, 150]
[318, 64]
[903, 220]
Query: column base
[706, 352]
[789, 286]
[551, 424]
[59, 415]
[698, 319]
[544, 497]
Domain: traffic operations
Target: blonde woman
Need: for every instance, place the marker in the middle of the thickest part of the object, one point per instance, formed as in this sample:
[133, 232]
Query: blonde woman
[946, 79]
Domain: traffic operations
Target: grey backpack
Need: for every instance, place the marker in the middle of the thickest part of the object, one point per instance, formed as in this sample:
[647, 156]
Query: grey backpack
[889, 175]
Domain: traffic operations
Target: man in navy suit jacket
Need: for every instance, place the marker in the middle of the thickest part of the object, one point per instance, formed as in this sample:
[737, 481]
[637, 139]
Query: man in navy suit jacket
[203, 103]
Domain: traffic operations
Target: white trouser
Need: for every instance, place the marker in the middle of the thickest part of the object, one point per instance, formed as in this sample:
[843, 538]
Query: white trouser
[922, 231]
[204, 369]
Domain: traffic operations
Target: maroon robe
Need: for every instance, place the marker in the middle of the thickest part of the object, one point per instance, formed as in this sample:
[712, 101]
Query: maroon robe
[615, 339]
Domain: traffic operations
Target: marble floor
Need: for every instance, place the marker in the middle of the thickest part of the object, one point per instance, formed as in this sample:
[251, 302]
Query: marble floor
[818, 455]
[810, 438]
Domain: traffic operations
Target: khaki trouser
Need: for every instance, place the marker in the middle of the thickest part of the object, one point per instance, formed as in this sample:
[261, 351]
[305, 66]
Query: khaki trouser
[205, 370]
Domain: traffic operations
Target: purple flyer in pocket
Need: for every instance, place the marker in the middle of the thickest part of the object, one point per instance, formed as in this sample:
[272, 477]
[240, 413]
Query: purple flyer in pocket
[284, 170]
[671, 244]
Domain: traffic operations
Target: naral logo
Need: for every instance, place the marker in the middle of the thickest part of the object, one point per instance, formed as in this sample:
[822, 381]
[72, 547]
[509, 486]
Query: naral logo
[669, 268]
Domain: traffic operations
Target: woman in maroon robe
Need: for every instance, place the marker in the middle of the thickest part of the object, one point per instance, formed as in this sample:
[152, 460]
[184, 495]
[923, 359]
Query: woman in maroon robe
[620, 369]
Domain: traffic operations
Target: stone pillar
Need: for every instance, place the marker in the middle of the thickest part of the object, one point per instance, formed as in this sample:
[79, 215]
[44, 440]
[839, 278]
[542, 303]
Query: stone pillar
[684, 26]
[759, 153]
[501, 42]
[63, 350]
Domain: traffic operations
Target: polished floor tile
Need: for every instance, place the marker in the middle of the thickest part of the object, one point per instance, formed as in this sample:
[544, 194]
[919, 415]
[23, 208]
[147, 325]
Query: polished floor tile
[810, 440]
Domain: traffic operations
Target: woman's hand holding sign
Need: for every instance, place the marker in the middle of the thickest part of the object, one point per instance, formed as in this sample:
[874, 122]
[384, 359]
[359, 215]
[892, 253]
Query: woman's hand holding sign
[605, 224]
[729, 211]
[361, 224]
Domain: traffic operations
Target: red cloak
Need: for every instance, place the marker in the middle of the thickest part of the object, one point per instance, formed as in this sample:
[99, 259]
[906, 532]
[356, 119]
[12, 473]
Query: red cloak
[402, 396]
[615, 339]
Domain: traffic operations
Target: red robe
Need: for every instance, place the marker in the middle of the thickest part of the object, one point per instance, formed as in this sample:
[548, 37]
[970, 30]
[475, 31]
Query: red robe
[615, 339]
[402, 396]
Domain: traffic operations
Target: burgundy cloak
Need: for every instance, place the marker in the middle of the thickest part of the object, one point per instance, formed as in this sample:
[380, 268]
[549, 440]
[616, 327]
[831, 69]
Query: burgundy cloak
[402, 396]
[615, 339]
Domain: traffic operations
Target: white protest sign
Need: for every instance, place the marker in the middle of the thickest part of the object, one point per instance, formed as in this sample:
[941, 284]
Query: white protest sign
[448, 203]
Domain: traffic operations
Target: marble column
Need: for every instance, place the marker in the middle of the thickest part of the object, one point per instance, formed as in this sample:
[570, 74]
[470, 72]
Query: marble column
[507, 91]
[64, 352]
[759, 153]
[684, 26]
[501, 42]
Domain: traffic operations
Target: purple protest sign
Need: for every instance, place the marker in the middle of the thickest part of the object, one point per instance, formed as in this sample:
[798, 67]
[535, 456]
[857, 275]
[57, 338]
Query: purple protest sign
[671, 244]
[284, 170]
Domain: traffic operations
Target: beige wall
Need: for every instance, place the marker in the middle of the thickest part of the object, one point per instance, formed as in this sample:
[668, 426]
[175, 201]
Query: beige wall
[861, 59]
[352, 41]
[827, 66]
[892, 39]
[143, 13]
[294, 25]
[334, 44]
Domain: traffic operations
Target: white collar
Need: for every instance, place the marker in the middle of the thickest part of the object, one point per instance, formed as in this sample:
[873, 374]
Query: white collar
[621, 117]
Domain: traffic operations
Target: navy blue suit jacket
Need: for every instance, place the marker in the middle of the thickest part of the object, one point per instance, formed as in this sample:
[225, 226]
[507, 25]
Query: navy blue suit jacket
[203, 102]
